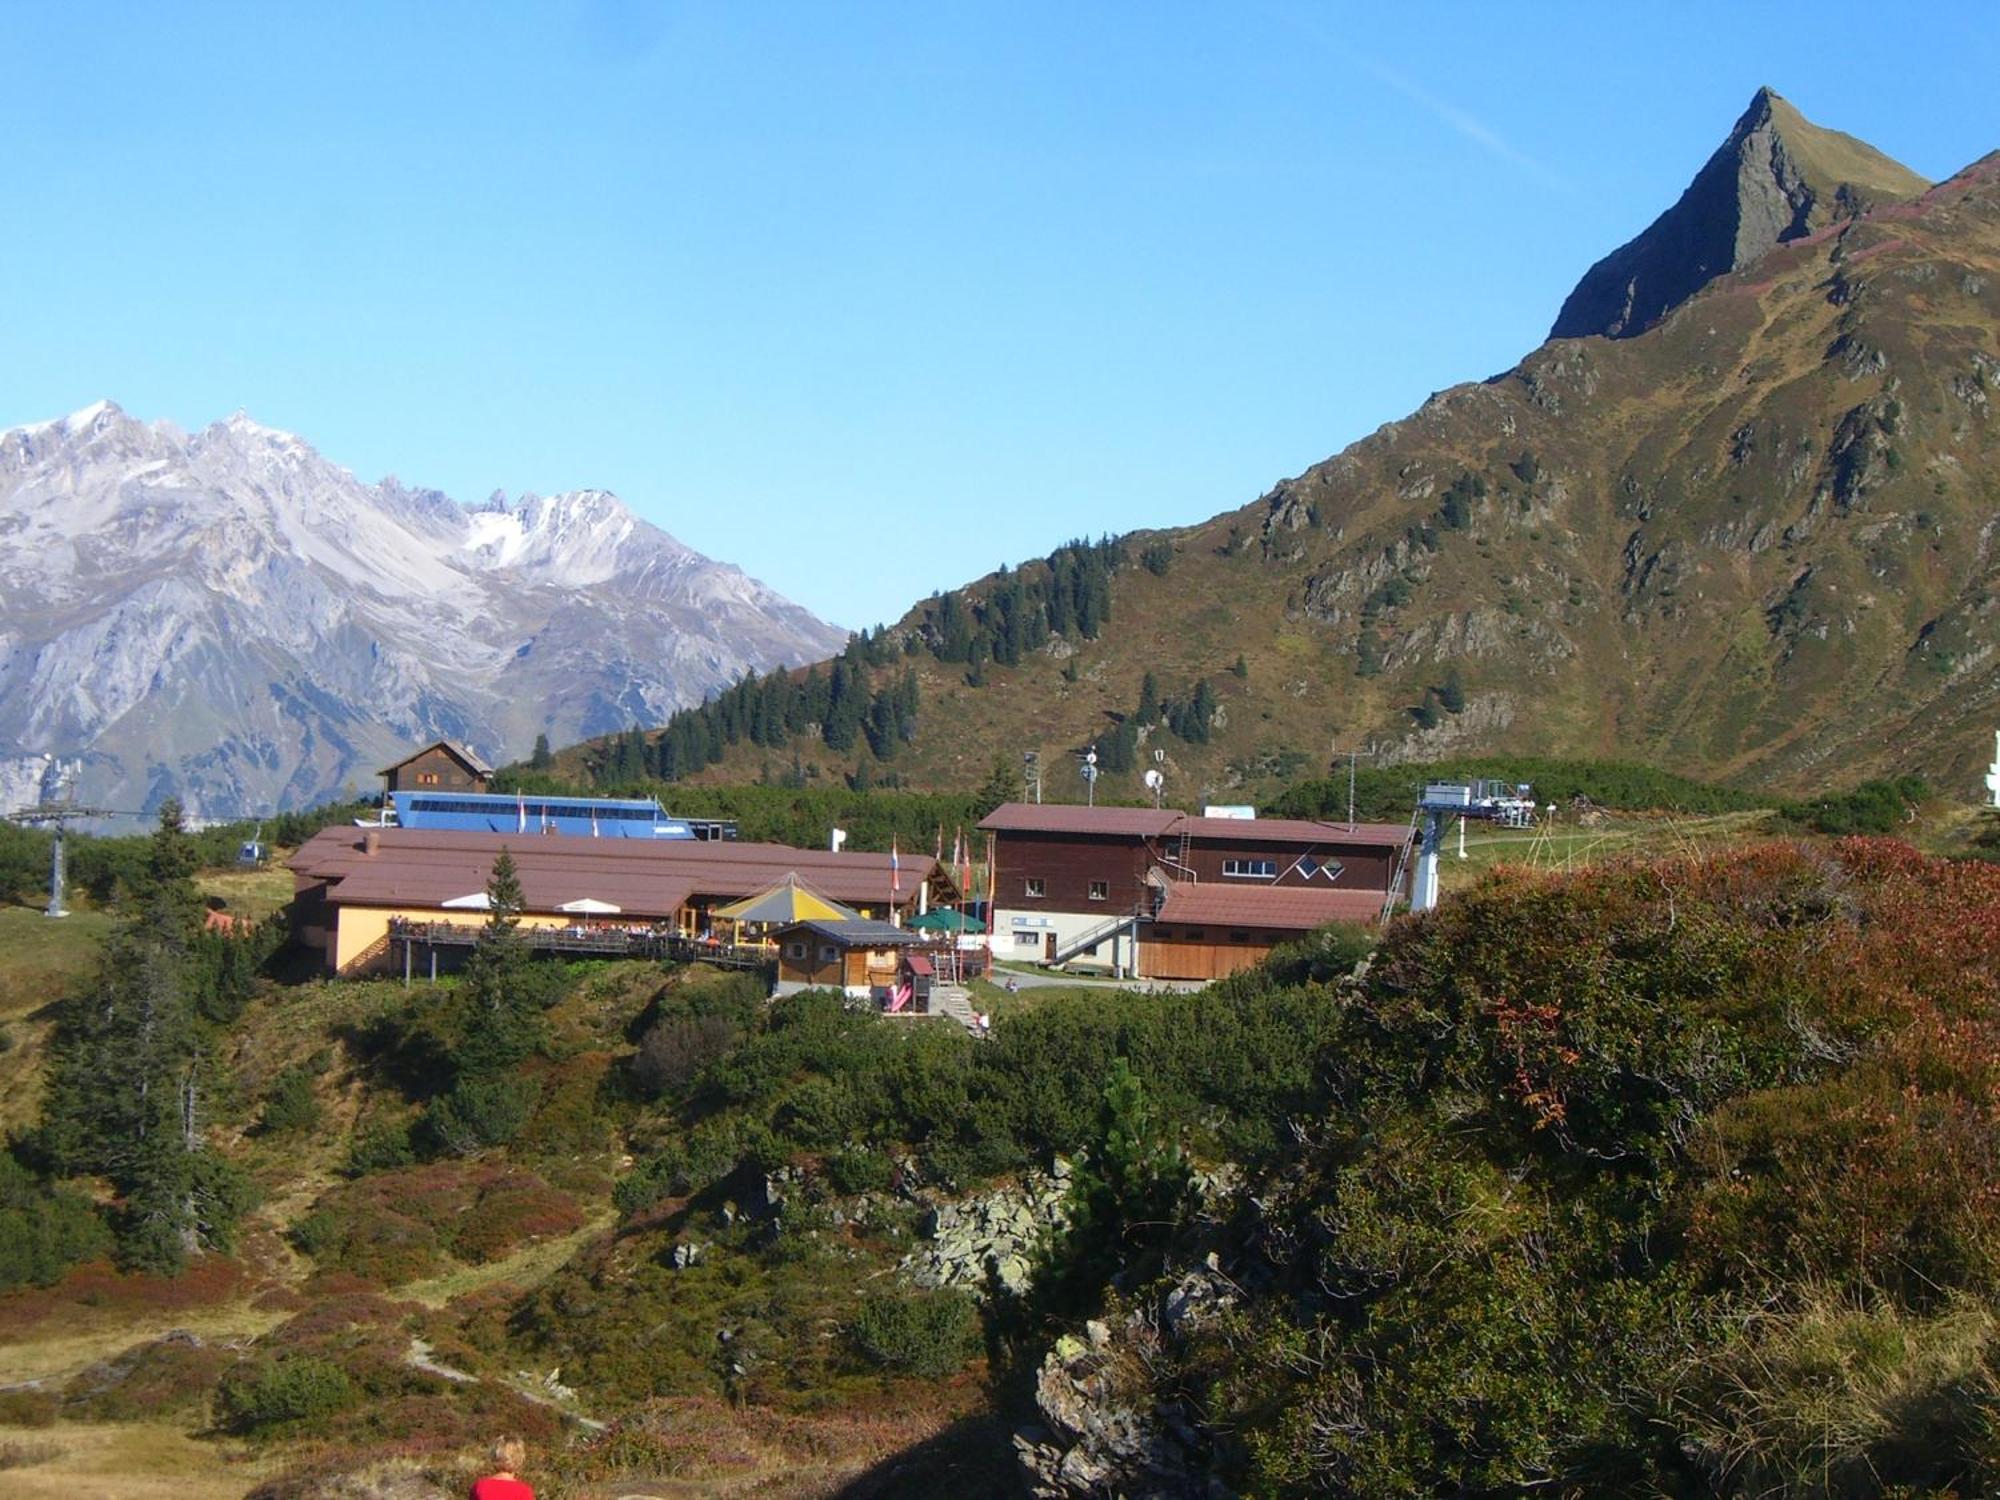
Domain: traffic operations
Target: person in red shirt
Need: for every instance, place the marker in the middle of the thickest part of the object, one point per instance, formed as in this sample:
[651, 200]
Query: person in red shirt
[509, 1454]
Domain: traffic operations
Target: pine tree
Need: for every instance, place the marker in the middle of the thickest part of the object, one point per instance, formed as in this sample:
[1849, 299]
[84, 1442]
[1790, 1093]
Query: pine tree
[541, 758]
[1003, 784]
[1149, 700]
[500, 1026]
[132, 1068]
[1452, 695]
[1201, 712]
[1121, 749]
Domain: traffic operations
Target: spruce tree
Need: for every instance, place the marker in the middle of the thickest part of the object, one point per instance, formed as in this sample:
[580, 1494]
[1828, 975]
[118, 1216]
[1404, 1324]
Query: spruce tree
[1003, 784]
[1452, 694]
[1201, 712]
[499, 1027]
[541, 759]
[1149, 700]
[132, 1070]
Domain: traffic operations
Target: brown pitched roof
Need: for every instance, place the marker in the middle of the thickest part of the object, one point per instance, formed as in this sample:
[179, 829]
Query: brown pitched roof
[453, 748]
[1066, 817]
[1147, 822]
[424, 868]
[1291, 908]
[1292, 831]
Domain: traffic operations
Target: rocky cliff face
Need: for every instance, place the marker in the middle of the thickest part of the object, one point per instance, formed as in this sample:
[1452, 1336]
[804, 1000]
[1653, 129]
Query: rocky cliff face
[229, 618]
[1778, 177]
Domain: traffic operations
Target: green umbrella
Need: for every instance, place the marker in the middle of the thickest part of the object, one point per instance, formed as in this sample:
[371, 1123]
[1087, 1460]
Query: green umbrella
[944, 919]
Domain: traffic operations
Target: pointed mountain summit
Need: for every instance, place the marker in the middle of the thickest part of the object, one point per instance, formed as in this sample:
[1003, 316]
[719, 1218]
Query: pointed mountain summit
[1776, 178]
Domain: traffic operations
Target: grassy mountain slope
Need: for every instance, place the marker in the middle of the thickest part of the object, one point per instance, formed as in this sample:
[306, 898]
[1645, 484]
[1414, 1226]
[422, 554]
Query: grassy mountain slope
[1756, 543]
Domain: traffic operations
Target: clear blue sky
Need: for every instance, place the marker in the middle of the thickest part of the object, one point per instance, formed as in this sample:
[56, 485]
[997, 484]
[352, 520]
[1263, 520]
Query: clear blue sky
[872, 298]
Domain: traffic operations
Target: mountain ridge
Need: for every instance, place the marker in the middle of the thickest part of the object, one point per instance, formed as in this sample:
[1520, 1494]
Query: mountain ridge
[1755, 541]
[229, 617]
[1776, 177]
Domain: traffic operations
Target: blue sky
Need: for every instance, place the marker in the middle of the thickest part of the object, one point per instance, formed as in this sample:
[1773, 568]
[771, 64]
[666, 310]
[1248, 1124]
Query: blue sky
[870, 298]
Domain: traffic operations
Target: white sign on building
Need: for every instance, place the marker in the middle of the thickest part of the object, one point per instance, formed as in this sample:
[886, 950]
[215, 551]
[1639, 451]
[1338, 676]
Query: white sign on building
[1993, 772]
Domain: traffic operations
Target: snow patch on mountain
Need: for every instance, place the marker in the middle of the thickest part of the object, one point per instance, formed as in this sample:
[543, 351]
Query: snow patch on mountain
[230, 617]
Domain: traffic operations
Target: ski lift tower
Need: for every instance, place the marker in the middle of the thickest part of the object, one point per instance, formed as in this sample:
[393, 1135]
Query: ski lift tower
[57, 816]
[1509, 804]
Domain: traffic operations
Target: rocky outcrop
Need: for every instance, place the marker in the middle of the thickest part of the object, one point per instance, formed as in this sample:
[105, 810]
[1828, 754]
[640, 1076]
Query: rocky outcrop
[1776, 178]
[1108, 1427]
[988, 1241]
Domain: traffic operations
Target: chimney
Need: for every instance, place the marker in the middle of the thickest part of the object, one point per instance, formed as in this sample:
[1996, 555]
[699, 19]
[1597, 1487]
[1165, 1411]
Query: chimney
[371, 843]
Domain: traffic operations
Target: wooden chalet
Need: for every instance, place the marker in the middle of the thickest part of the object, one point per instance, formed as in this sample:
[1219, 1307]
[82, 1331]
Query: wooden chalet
[858, 956]
[442, 766]
[352, 884]
[1087, 885]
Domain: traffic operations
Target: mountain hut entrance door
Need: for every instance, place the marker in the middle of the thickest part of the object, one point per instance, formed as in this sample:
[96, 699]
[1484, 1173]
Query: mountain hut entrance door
[1048, 947]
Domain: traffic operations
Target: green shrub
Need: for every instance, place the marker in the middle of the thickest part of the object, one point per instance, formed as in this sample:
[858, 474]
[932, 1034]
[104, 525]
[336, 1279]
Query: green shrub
[484, 1110]
[290, 1390]
[379, 1147]
[1873, 807]
[820, 1114]
[856, 1169]
[925, 1334]
[291, 1106]
[43, 1231]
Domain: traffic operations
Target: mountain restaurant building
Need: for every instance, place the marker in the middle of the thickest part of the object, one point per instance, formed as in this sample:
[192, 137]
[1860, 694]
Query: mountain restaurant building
[442, 766]
[1162, 894]
[351, 884]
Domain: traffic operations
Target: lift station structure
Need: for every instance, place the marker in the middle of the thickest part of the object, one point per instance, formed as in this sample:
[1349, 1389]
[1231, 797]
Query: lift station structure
[57, 816]
[1510, 804]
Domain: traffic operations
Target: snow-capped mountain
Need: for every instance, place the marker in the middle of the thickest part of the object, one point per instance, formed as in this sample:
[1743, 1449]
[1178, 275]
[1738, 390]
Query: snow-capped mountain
[230, 618]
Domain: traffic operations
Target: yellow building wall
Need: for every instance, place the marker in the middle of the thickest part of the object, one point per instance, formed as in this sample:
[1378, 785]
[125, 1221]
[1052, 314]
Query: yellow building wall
[361, 927]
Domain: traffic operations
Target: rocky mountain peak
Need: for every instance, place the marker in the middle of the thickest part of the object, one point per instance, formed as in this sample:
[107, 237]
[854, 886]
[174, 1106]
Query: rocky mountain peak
[237, 620]
[1777, 177]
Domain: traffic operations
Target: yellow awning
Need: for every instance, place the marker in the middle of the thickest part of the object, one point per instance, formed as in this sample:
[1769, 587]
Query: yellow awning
[787, 901]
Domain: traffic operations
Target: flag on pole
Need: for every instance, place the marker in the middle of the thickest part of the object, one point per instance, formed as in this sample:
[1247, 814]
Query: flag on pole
[521, 815]
[895, 869]
[937, 851]
[593, 822]
[965, 885]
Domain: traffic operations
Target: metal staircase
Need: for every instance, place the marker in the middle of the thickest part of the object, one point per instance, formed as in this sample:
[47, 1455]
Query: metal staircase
[1090, 937]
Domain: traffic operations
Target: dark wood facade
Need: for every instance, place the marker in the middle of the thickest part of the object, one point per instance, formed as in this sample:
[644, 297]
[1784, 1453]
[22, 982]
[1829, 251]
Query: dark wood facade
[442, 767]
[1363, 866]
[1080, 872]
[1072, 871]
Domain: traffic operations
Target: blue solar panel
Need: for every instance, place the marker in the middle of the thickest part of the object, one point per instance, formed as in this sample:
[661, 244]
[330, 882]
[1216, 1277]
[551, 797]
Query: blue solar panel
[574, 817]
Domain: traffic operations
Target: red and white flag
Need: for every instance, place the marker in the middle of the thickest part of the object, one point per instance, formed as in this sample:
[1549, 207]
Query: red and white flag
[895, 869]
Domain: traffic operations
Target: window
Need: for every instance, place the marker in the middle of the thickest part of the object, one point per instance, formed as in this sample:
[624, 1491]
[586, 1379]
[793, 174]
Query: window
[795, 950]
[1239, 937]
[1037, 888]
[1195, 934]
[828, 953]
[1100, 890]
[1027, 937]
[1250, 869]
[427, 778]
